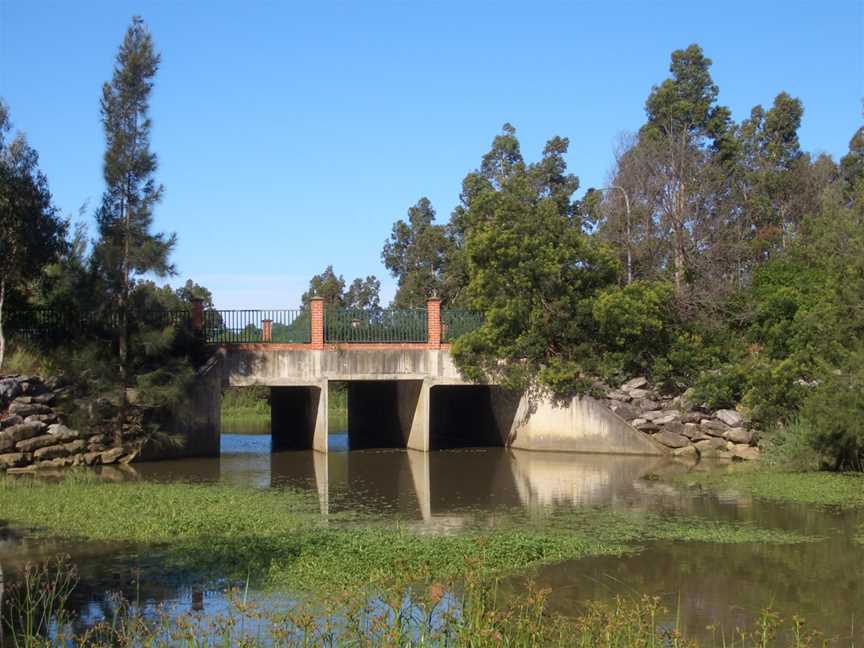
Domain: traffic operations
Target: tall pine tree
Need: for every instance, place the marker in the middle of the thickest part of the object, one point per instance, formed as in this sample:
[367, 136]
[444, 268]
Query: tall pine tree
[127, 248]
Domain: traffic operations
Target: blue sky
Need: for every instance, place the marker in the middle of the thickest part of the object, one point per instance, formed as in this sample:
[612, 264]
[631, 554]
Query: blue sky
[292, 135]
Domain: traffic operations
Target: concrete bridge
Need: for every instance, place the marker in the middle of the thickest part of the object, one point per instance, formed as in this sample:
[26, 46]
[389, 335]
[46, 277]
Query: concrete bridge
[404, 394]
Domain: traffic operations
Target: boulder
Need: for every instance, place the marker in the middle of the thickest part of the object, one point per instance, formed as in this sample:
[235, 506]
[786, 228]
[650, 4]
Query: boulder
[112, 455]
[24, 399]
[714, 428]
[648, 426]
[646, 404]
[625, 411]
[97, 439]
[676, 427]
[617, 394]
[75, 446]
[745, 452]
[91, 458]
[13, 460]
[650, 415]
[26, 409]
[47, 419]
[58, 462]
[10, 388]
[62, 433]
[640, 393]
[25, 470]
[637, 422]
[729, 417]
[668, 417]
[738, 435]
[31, 445]
[710, 445]
[44, 399]
[9, 421]
[671, 440]
[686, 452]
[51, 452]
[694, 432]
[634, 383]
[12, 435]
[692, 417]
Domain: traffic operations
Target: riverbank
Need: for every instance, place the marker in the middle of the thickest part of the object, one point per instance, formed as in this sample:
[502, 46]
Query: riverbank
[248, 409]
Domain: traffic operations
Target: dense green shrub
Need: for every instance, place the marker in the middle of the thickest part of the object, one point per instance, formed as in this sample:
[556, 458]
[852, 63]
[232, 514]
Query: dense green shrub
[721, 387]
[791, 447]
[835, 410]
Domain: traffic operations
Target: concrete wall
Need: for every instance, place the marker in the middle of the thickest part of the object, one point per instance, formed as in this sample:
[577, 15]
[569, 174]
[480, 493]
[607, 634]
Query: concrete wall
[244, 367]
[578, 425]
[298, 417]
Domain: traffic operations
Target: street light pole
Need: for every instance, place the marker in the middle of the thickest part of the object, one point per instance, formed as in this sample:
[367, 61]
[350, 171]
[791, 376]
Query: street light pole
[628, 230]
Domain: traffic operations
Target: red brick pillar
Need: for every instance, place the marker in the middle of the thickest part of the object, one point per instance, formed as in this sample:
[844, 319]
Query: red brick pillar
[198, 316]
[433, 323]
[267, 330]
[316, 310]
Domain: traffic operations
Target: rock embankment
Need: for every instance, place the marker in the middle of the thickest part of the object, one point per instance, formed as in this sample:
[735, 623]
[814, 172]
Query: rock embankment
[687, 428]
[33, 435]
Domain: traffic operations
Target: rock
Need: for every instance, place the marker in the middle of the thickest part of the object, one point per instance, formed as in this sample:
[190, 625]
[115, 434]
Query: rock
[92, 458]
[625, 411]
[694, 432]
[74, 447]
[634, 383]
[745, 452]
[729, 417]
[97, 439]
[676, 427]
[51, 452]
[667, 417]
[637, 422]
[31, 445]
[618, 395]
[26, 400]
[10, 389]
[129, 458]
[44, 399]
[9, 421]
[646, 404]
[47, 419]
[26, 470]
[738, 435]
[648, 426]
[710, 445]
[692, 417]
[14, 460]
[58, 462]
[62, 433]
[671, 440]
[686, 452]
[714, 428]
[685, 401]
[26, 409]
[112, 455]
[640, 393]
[12, 435]
[650, 415]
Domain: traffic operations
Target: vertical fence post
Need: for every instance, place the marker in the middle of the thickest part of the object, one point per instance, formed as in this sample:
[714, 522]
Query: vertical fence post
[198, 316]
[316, 312]
[433, 323]
[266, 330]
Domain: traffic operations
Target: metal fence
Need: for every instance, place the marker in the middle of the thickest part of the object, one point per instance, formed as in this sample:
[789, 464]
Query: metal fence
[248, 326]
[456, 322]
[47, 325]
[348, 325]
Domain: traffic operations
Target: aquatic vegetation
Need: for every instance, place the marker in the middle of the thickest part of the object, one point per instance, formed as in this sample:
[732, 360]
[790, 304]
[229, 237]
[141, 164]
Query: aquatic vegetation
[278, 539]
[475, 615]
[843, 490]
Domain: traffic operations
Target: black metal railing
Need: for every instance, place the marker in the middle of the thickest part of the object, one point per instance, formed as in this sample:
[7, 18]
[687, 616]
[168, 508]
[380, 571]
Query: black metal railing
[250, 326]
[349, 325]
[456, 322]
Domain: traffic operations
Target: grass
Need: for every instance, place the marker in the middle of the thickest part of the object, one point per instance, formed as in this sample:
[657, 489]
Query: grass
[278, 539]
[841, 490]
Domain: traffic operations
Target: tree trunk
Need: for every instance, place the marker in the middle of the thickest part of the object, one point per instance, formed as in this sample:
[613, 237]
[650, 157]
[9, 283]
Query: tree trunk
[2, 337]
[679, 242]
[123, 336]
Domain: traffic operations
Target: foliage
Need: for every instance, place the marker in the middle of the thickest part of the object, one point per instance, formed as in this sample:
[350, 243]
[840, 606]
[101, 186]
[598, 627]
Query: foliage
[835, 411]
[721, 387]
[31, 232]
[361, 294]
[416, 254]
[790, 447]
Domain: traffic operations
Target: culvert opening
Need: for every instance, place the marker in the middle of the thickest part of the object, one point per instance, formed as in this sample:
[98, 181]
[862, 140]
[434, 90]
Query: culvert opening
[470, 416]
[381, 412]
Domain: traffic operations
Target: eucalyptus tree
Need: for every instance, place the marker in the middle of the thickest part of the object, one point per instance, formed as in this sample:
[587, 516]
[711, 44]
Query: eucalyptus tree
[127, 247]
[31, 232]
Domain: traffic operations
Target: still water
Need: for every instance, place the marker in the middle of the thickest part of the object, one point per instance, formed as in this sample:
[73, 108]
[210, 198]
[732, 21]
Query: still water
[443, 491]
